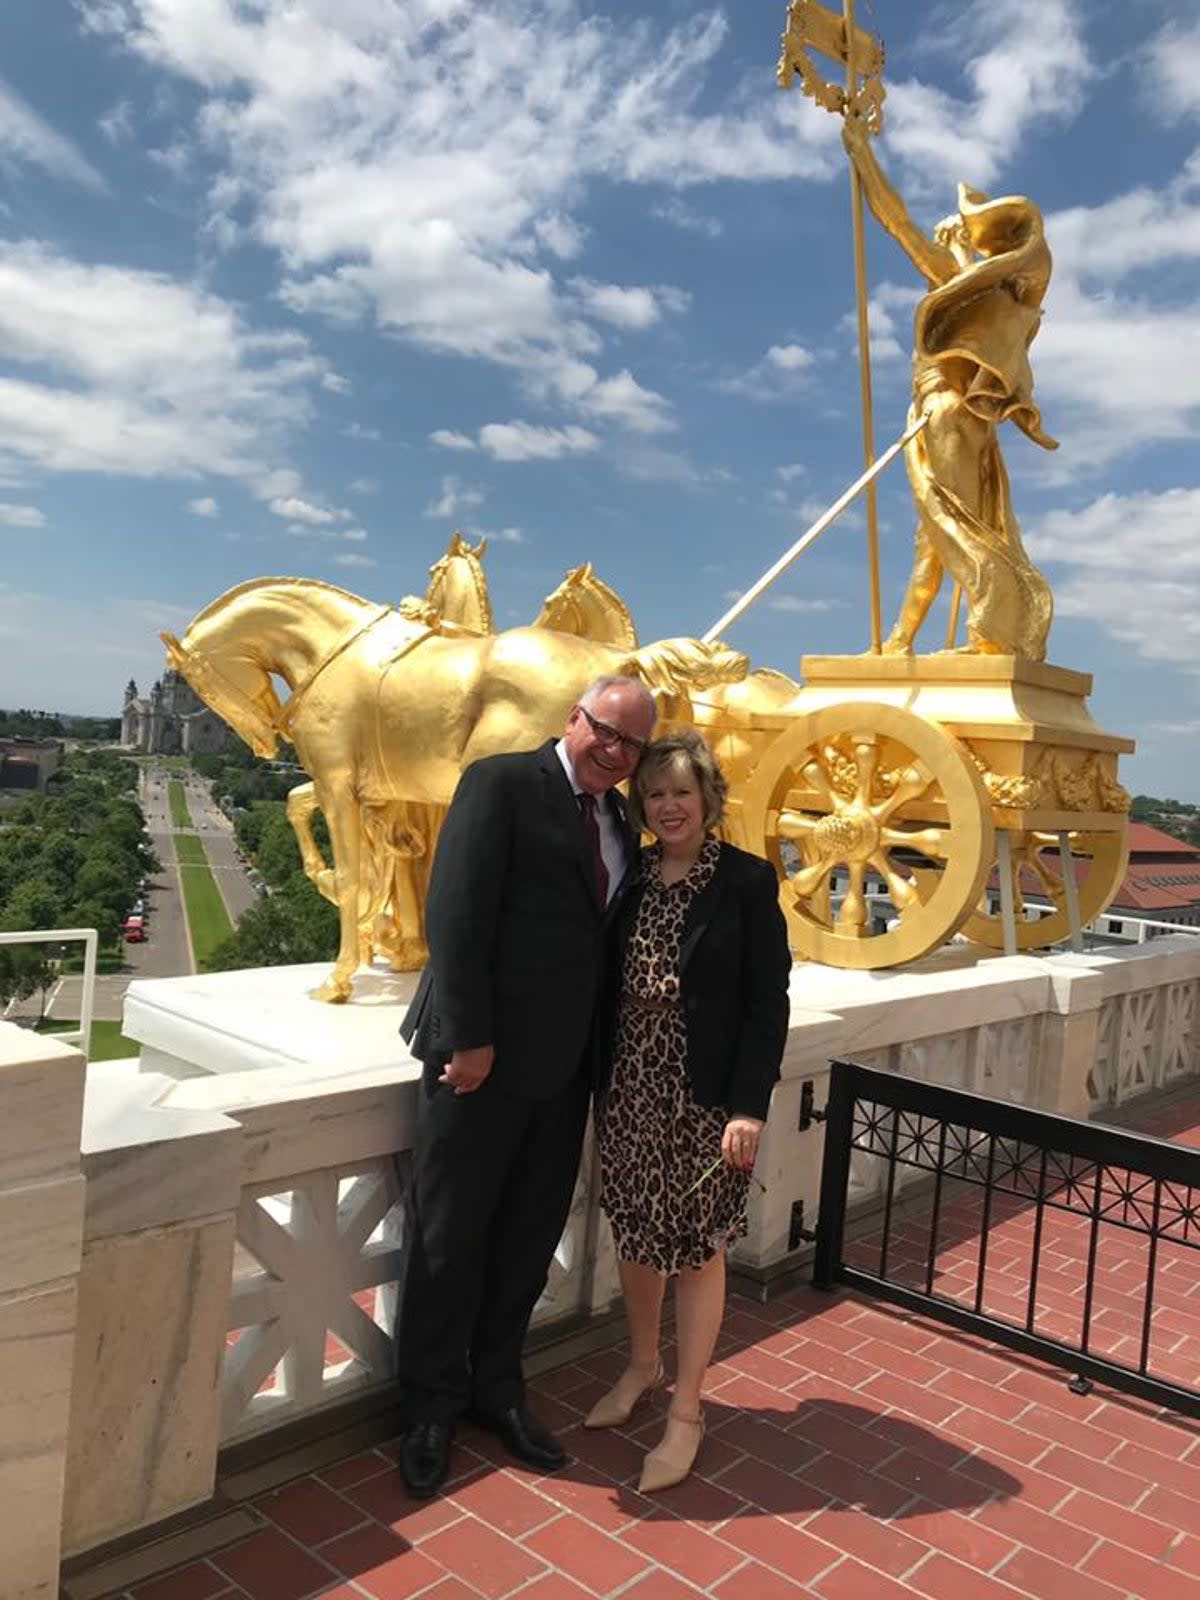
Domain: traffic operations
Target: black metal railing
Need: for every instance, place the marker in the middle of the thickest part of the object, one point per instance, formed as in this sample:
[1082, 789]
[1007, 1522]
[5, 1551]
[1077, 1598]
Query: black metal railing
[1071, 1241]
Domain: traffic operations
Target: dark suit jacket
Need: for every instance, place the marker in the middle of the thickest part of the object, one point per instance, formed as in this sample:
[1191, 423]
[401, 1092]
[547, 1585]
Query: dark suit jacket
[734, 967]
[514, 924]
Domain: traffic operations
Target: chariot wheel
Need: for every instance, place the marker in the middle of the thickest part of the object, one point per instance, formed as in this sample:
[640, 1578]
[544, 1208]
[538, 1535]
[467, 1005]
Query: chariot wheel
[863, 793]
[1037, 870]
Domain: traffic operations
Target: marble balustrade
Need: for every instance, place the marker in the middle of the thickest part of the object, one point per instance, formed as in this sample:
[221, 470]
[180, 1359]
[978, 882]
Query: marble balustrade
[228, 1260]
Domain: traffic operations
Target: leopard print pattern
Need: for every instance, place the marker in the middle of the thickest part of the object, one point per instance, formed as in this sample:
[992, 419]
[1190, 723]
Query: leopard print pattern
[656, 1142]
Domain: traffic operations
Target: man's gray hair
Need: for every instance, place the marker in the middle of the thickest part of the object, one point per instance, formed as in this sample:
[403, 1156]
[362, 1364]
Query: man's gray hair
[617, 680]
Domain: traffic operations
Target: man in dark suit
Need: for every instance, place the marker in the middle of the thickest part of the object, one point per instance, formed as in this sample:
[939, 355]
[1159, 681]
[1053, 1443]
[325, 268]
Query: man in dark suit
[534, 850]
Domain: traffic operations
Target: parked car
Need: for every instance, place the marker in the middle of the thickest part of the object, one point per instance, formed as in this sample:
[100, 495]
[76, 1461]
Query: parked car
[134, 929]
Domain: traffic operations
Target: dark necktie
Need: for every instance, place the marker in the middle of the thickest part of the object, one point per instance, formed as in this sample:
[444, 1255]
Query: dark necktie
[587, 806]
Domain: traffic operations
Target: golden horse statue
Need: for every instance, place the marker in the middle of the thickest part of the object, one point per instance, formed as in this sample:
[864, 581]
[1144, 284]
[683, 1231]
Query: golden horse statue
[399, 839]
[383, 709]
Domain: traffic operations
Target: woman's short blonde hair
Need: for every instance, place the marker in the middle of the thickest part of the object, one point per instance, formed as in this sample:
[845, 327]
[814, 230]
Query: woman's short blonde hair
[685, 748]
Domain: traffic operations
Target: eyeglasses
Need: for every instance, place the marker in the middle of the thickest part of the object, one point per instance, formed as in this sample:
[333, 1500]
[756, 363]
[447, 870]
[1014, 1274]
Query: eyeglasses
[610, 735]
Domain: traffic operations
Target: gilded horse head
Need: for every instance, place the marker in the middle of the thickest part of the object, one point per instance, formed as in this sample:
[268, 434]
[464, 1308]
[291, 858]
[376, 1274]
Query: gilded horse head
[584, 606]
[458, 589]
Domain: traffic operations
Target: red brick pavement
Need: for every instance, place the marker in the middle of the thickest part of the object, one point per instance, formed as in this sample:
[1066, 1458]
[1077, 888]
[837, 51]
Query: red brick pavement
[853, 1453]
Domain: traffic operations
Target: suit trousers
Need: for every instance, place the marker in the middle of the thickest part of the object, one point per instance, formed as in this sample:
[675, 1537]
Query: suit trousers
[493, 1176]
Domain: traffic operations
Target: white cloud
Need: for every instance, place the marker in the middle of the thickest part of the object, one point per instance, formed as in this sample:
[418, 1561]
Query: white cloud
[679, 214]
[889, 321]
[620, 399]
[798, 605]
[117, 122]
[356, 430]
[561, 235]
[13, 516]
[303, 511]
[793, 470]
[204, 507]
[1132, 566]
[456, 496]
[135, 374]
[447, 439]
[1172, 81]
[352, 559]
[1026, 67]
[509, 535]
[391, 194]
[363, 486]
[779, 375]
[629, 308]
[335, 383]
[25, 137]
[354, 535]
[522, 441]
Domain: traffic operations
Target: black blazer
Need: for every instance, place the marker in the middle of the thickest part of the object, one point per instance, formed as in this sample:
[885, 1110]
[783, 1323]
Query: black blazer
[515, 927]
[734, 964]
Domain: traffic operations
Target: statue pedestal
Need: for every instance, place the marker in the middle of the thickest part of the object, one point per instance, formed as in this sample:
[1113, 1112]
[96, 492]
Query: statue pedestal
[266, 1017]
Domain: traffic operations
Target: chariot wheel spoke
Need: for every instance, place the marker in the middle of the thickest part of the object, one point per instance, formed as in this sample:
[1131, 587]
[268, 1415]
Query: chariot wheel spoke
[901, 890]
[853, 912]
[808, 880]
[866, 762]
[911, 784]
[1055, 888]
[929, 841]
[814, 774]
[795, 824]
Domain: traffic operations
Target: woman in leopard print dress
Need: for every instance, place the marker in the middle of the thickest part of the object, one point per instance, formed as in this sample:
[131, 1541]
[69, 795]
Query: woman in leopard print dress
[691, 1035]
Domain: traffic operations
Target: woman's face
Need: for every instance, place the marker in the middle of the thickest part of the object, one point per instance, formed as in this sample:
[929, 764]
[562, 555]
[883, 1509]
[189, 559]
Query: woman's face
[674, 808]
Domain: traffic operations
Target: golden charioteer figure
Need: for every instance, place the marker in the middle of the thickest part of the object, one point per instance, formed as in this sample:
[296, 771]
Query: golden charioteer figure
[904, 798]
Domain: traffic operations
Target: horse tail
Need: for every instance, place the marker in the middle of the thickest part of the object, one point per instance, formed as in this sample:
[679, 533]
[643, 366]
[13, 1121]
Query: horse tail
[675, 666]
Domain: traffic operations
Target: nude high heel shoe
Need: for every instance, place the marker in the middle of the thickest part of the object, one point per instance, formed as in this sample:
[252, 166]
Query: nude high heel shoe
[618, 1405]
[674, 1456]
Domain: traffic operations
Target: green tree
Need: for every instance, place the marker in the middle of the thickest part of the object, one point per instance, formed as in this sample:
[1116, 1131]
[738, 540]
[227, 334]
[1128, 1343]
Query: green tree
[95, 914]
[59, 860]
[109, 877]
[294, 926]
[32, 905]
[278, 854]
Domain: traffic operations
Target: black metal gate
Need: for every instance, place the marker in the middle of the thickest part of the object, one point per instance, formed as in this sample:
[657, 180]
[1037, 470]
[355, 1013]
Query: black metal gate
[1071, 1241]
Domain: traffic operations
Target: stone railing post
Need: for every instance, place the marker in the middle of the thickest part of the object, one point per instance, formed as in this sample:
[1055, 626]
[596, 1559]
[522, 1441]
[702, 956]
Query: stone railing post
[163, 1187]
[41, 1230]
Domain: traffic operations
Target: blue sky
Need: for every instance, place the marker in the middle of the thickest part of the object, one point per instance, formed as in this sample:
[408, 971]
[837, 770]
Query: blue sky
[301, 287]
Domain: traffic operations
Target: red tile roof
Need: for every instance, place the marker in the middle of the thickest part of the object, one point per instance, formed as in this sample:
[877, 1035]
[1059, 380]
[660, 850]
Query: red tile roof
[1147, 841]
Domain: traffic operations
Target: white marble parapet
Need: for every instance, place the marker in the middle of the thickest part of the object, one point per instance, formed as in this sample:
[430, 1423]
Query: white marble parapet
[41, 1091]
[41, 1233]
[265, 1017]
[148, 1163]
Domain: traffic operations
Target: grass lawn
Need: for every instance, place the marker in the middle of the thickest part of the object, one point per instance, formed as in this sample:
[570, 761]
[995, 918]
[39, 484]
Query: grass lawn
[207, 917]
[181, 817]
[108, 1042]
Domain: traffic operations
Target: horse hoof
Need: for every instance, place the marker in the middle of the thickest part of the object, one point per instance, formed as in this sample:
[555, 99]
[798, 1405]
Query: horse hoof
[409, 955]
[333, 992]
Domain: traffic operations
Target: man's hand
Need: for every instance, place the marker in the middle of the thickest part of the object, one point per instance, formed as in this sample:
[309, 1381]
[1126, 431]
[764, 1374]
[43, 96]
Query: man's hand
[467, 1069]
[739, 1144]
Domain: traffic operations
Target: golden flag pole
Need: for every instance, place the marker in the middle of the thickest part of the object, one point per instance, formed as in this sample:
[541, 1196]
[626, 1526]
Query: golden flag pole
[864, 339]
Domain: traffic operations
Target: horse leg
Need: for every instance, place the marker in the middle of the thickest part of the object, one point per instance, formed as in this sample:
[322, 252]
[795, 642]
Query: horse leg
[301, 803]
[341, 810]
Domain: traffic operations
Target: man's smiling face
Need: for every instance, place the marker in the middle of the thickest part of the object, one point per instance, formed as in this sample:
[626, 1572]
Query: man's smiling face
[605, 739]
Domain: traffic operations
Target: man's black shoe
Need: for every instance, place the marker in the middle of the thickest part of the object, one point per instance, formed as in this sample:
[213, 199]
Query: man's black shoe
[523, 1436]
[425, 1458]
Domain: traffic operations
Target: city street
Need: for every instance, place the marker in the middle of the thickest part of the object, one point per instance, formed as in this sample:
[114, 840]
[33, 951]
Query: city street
[166, 952]
[214, 827]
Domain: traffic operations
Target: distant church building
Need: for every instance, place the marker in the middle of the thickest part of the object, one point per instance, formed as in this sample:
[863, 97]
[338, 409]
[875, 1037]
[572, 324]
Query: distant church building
[171, 720]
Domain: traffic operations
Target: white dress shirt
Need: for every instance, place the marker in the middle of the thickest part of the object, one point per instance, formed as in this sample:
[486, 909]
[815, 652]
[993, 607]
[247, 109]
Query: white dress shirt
[612, 843]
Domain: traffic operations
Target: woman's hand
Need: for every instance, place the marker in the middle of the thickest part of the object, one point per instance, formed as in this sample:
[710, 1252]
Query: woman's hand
[739, 1142]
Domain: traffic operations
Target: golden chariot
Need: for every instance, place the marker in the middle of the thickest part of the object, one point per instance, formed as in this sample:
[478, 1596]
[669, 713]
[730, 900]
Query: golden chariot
[905, 799]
